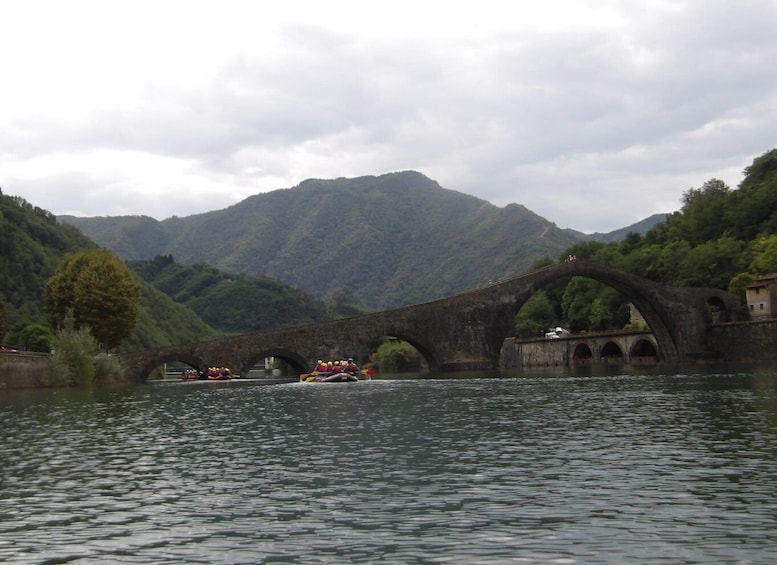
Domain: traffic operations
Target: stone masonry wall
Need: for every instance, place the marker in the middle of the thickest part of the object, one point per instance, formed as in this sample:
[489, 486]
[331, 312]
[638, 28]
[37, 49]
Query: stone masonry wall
[546, 353]
[23, 370]
[744, 342]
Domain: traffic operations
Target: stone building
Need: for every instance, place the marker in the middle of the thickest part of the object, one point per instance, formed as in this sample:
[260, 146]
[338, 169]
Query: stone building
[762, 297]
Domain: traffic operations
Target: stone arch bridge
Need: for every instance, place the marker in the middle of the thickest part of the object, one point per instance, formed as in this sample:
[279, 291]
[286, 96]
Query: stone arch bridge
[465, 331]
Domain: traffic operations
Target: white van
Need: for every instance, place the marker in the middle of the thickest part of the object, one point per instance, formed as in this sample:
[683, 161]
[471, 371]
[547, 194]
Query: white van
[556, 333]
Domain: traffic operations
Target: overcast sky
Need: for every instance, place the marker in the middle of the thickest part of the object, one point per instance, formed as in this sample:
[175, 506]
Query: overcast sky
[593, 114]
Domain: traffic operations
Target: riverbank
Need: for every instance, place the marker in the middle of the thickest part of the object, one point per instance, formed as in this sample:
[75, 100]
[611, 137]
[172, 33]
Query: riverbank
[735, 342]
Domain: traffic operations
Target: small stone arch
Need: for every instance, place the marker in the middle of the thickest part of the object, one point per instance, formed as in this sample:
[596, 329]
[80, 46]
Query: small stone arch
[191, 360]
[611, 353]
[643, 351]
[717, 310]
[294, 359]
[582, 354]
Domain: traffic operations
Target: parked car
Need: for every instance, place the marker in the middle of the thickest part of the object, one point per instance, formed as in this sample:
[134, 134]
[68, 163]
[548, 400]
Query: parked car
[556, 333]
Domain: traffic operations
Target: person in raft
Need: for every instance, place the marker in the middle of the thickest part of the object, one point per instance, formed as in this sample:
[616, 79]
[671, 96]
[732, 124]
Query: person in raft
[351, 368]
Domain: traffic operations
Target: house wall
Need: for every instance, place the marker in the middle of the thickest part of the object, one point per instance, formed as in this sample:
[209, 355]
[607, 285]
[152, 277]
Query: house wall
[762, 301]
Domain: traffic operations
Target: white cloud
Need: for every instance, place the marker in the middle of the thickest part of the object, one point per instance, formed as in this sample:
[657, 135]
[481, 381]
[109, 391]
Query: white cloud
[594, 114]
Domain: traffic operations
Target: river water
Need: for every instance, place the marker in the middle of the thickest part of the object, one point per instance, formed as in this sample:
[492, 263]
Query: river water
[619, 468]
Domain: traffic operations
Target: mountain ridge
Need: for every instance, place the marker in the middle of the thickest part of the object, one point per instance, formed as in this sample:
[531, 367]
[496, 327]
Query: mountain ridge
[385, 241]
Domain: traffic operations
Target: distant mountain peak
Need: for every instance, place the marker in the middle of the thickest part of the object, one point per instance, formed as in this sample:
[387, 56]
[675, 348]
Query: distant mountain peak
[385, 241]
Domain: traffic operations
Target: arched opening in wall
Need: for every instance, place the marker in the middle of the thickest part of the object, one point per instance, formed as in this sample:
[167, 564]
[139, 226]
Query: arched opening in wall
[576, 305]
[541, 314]
[174, 368]
[397, 354]
[273, 363]
[611, 354]
[268, 366]
[716, 311]
[643, 352]
[582, 354]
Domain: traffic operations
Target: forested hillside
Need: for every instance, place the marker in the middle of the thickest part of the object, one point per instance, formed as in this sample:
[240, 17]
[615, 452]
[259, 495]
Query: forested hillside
[721, 237]
[178, 303]
[235, 303]
[718, 235]
[32, 244]
[377, 242]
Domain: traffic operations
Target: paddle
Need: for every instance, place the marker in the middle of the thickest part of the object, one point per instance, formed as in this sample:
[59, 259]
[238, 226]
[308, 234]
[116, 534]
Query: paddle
[306, 376]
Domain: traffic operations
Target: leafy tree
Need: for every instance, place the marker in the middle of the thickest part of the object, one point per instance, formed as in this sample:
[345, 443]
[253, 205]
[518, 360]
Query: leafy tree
[576, 302]
[670, 260]
[754, 205]
[643, 260]
[739, 283]
[396, 356]
[590, 305]
[704, 212]
[36, 337]
[764, 253]
[713, 263]
[99, 290]
[527, 329]
[74, 352]
[536, 314]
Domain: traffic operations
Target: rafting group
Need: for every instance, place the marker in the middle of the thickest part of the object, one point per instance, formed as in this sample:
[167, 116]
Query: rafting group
[335, 372]
[213, 374]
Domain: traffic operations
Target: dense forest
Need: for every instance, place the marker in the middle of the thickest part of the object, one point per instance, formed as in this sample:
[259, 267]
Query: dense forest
[721, 237]
[33, 244]
[236, 303]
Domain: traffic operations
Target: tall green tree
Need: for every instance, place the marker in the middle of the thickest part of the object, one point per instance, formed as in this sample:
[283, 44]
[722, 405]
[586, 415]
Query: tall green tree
[535, 316]
[99, 290]
[705, 212]
[764, 255]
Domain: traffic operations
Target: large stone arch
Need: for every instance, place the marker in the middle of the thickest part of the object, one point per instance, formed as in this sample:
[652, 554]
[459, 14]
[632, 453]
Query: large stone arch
[293, 358]
[467, 330]
[420, 343]
[678, 317]
[168, 357]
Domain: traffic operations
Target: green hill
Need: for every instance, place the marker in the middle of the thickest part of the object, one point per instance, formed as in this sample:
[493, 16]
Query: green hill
[32, 244]
[235, 303]
[376, 241]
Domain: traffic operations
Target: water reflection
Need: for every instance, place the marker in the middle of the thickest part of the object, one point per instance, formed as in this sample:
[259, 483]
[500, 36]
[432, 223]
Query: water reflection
[589, 468]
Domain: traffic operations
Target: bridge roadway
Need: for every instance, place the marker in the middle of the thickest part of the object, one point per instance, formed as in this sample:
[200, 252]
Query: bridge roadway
[463, 332]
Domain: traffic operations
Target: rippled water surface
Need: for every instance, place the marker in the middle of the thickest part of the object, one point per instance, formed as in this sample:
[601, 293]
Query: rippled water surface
[615, 469]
